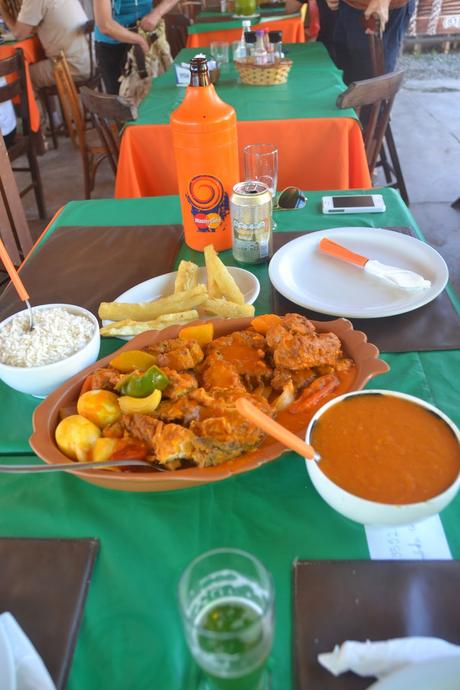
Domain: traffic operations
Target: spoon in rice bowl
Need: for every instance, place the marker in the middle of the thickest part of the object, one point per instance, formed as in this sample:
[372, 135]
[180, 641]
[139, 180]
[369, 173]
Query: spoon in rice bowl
[17, 282]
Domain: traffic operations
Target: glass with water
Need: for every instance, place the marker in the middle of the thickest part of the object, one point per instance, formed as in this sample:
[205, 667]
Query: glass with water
[227, 604]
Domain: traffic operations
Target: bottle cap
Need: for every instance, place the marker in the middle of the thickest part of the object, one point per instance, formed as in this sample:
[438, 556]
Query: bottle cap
[275, 36]
[199, 63]
[259, 33]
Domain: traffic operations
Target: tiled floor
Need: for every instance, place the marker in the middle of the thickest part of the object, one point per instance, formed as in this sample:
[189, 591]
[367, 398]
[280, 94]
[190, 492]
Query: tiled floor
[426, 127]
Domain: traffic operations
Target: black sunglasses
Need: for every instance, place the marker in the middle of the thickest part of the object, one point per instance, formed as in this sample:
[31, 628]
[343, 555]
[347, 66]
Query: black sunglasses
[291, 198]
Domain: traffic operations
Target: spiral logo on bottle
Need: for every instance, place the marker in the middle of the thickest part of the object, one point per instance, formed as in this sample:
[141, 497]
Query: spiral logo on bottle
[208, 201]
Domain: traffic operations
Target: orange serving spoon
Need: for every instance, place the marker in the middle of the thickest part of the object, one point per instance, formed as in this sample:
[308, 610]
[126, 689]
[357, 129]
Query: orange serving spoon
[16, 280]
[272, 428]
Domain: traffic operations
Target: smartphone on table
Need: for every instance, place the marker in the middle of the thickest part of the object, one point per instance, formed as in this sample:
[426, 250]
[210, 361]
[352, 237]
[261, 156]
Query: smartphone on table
[357, 203]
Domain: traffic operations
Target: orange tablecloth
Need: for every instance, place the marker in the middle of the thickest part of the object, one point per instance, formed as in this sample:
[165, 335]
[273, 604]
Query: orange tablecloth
[292, 28]
[33, 52]
[325, 153]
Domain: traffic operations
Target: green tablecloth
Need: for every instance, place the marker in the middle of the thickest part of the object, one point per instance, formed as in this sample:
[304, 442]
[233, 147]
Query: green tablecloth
[131, 635]
[312, 72]
[228, 22]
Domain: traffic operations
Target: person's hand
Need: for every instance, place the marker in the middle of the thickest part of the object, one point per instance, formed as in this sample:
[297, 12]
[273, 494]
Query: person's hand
[333, 5]
[379, 8]
[150, 21]
[143, 44]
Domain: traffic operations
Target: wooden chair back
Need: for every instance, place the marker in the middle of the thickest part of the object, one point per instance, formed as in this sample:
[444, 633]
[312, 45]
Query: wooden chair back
[176, 31]
[109, 114]
[70, 102]
[14, 67]
[377, 93]
[88, 31]
[14, 229]
[191, 8]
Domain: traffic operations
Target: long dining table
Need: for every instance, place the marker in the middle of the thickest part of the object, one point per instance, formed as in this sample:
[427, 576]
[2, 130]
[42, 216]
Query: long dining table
[214, 26]
[320, 146]
[131, 634]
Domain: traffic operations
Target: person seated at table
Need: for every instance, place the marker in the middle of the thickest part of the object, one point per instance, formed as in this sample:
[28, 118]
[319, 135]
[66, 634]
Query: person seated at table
[7, 119]
[115, 21]
[351, 42]
[58, 24]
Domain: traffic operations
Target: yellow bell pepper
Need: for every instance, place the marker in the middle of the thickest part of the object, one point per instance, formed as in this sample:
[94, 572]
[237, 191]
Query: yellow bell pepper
[130, 405]
[132, 360]
[203, 333]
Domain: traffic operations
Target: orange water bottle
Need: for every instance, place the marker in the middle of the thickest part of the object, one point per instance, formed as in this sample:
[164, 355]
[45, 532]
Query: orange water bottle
[206, 150]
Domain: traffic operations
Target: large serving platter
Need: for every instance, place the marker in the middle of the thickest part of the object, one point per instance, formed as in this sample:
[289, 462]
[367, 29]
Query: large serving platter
[47, 415]
[314, 280]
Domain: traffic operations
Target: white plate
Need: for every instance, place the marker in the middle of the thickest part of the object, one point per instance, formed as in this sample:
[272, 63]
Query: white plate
[154, 288]
[7, 668]
[314, 280]
[437, 674]
[245, 16]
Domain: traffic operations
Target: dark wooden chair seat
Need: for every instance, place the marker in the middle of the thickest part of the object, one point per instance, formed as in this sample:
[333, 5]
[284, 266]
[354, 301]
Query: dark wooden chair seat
[24, 144]
[378, 95]
[109, 113]
[176, 31]
[94, 81]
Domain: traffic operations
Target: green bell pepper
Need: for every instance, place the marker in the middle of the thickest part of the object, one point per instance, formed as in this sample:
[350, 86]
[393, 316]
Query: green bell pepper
[141, 385]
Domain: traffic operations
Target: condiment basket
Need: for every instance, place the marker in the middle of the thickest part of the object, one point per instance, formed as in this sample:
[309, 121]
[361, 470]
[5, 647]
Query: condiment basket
[264, 75]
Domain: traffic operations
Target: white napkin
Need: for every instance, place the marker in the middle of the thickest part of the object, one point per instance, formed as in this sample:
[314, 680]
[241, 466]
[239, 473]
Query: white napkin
[398, 277]
[381, 658]
[31, 672]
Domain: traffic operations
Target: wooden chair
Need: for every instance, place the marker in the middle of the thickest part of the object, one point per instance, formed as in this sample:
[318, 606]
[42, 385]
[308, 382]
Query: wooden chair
[389, 159]
[377, 93]
[109, 114]
[176, 31]
[191, 8]
[24, 144]
[14, 229]
[87, 140]
[47, 93]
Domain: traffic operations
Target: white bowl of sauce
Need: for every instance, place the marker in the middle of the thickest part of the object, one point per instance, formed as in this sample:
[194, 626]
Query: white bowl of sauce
[387, 458]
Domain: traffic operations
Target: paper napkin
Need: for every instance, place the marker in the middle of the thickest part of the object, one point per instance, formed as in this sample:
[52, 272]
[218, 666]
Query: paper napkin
[31, 672]
[381, 658]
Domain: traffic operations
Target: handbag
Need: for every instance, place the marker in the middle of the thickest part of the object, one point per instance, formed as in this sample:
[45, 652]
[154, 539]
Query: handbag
[140, 68]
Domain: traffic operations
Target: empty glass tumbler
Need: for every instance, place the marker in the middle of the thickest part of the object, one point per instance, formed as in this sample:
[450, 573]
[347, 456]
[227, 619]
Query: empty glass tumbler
[219, 51]
[261, 163]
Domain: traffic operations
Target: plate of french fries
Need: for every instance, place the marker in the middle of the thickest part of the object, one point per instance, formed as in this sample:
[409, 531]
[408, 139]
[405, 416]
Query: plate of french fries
[176, 298]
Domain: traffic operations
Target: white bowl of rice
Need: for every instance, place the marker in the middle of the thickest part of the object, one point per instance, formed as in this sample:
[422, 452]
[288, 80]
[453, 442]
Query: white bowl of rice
[65, 340]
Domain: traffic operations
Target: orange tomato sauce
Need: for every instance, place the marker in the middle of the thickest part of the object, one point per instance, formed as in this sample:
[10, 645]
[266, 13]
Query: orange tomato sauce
[386, 449]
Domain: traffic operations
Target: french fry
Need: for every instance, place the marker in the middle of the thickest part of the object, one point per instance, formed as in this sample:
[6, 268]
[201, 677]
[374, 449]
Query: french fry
[224, 281]
[129, 327]
[220, 307]
[146, 311]
[209, 253]
[187, 276]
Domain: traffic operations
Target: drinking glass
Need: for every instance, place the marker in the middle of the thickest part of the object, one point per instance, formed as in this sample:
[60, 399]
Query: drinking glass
[261, 163]
[245, 8]
[227, 604]
[219, 51]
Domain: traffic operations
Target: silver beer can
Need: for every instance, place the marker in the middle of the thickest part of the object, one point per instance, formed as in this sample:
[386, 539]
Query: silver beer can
[252, 224]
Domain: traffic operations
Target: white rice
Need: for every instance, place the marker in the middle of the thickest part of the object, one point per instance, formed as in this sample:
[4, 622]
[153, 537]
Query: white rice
[57, 334]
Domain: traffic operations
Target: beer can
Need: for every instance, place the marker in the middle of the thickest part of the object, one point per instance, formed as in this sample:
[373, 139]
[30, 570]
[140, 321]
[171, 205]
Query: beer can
[252, 224]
